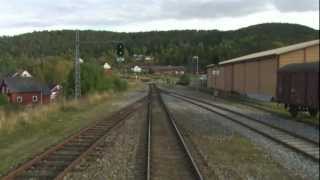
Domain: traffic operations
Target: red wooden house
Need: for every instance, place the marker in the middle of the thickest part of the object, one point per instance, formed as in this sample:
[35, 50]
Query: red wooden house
[24, 91]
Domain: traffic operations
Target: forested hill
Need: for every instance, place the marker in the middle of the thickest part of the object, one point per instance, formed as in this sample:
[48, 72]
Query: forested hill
[168, 47]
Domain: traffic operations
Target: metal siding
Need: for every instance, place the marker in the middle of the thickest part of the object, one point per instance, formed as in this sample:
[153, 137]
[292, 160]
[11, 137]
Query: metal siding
[313, 89]
[220, 79]
[298, 87]
[239, 78]
[291, 57]
[312, 54]
[252, 77]
[268, 77]
[227, 73]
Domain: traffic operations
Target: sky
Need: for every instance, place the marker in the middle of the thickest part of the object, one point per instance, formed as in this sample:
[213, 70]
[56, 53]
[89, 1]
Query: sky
[21, 16]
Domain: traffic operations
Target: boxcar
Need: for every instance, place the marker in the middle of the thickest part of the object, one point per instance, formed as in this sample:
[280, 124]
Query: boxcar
[298, 87]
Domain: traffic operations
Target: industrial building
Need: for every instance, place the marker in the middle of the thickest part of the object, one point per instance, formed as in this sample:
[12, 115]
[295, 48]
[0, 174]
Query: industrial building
[255, 75]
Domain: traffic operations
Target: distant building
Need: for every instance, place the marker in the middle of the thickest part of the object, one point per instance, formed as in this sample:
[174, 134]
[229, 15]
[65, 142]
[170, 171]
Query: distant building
[169, 70]
[148, 58]
[136, 69]
[22, 73]
[107, 68]
[24, 91]
[55, 91]
[255, 75]
[138, 57]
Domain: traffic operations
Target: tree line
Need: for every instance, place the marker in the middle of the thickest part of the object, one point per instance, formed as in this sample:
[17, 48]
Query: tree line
[49, 54]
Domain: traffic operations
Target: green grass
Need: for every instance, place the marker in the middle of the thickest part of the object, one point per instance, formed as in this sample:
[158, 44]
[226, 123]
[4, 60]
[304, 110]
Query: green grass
[28, 138]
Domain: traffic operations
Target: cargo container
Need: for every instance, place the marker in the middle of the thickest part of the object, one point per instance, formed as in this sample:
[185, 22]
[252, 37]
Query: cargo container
[298, 87]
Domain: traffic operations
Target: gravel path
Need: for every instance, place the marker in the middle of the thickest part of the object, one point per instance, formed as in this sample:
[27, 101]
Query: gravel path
[230, 155]
[302, 129]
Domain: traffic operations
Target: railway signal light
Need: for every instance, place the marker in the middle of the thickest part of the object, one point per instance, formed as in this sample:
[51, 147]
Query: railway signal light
[120, 49]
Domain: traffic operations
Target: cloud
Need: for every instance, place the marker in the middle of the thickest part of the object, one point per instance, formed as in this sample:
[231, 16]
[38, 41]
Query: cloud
[39, 14]
[231, 8]
[296, 5]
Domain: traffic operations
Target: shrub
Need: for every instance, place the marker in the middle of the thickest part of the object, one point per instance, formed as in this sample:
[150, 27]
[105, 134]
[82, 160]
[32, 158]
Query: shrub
[93, 79]
[184, 80]
[3, 100]
[120, 84]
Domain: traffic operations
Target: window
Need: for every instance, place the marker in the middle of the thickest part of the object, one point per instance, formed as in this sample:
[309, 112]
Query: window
[34, 98]
[19, 99]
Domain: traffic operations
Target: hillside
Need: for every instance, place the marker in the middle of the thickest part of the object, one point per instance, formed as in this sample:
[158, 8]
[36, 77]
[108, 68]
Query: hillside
[168, 47]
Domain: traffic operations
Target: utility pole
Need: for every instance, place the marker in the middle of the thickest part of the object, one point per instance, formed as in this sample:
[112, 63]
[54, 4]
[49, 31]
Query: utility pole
[77, 83]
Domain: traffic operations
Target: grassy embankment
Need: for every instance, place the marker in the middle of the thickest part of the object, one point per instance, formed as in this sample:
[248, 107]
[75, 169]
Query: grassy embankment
[26, 133]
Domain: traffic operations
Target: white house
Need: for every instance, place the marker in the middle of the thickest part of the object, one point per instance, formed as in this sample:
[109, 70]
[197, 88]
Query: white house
[106, 66]
[148, 58]
[22, 73]
[136, 69]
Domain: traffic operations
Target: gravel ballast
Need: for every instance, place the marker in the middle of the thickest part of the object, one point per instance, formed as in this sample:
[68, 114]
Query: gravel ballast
[230, 145]
[299, 128]
[119, 160]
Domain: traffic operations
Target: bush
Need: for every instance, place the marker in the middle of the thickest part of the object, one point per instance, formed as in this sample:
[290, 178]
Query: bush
[93, 79]
[120, 84]
[184, 80]
[3, 100]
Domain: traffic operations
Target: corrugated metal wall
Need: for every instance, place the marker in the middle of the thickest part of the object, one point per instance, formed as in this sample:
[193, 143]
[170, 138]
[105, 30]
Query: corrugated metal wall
[239, 77]
[312, 54]
[268, 77]
[291, 57]
[228, 70]
[220, 79]
[252, 77]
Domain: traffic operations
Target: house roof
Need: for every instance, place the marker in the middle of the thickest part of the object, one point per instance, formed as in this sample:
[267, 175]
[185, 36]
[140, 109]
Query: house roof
[271, 52]
[19, 84]
[21, 73]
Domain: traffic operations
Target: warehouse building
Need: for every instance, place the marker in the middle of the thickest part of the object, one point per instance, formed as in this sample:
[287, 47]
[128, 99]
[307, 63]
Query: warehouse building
[255, 75]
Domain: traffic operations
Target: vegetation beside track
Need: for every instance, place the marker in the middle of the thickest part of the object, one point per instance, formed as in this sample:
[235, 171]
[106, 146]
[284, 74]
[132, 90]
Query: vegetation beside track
[29, 132]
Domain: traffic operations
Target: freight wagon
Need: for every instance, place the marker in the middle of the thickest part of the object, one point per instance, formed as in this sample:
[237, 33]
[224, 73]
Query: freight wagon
[298, 87]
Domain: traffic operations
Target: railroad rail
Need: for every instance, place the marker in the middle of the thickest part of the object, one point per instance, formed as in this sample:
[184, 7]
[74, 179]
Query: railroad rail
[300, 144]
[55, 162]
[168, 154]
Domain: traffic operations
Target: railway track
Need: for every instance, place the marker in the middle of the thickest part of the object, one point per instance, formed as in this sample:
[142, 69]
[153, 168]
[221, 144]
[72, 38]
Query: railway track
[289, 139]
[168, 155]
[55, 162]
